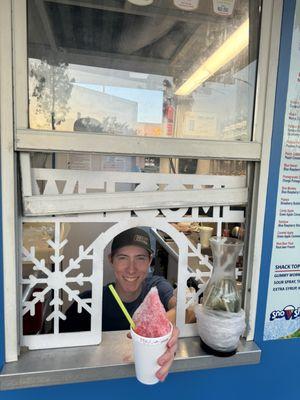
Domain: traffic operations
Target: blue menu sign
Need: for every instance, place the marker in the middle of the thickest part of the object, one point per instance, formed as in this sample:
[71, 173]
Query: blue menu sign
[282, 319]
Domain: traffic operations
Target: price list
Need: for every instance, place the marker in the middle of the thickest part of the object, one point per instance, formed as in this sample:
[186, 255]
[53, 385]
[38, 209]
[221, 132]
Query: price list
[282, 318]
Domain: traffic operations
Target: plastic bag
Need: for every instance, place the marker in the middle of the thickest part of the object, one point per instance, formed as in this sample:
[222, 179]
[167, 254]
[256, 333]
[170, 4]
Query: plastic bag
[220, 330]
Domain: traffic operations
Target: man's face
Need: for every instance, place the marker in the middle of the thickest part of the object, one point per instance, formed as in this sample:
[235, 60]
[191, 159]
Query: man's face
[130, 265]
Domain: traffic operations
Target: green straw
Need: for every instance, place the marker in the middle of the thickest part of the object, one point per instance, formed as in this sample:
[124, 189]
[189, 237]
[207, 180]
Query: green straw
[120, 302]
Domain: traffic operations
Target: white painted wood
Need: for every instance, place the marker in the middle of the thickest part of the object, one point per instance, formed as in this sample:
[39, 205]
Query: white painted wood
[74, 339]
[48, 141]
[20, 63]
[21, 119]
[263, 67]
[25, 174]
[105, 181]
[262, 170]
[8, 184]
[58, 280]
[231, 216]
[88, 203]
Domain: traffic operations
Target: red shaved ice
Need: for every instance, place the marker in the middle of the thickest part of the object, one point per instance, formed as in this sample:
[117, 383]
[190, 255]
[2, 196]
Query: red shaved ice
[150, 317]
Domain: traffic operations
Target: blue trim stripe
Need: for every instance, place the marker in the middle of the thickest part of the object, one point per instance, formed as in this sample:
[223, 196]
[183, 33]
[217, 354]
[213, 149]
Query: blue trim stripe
[275, 157]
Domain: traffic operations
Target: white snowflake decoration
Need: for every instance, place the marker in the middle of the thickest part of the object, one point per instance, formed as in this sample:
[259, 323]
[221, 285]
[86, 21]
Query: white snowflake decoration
[58, 280]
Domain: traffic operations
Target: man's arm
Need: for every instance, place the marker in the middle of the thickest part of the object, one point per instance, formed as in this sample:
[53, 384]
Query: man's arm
[171, 313]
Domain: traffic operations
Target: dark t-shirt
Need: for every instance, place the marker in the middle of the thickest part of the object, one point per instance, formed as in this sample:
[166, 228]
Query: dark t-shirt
[113, 318]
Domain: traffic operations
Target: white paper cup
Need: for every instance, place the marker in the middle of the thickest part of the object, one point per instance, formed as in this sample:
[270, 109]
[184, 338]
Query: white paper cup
[205, 232]
[146, 353]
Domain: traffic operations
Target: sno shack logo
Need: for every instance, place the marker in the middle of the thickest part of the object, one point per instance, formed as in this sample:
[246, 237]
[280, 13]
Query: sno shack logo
[289, 312]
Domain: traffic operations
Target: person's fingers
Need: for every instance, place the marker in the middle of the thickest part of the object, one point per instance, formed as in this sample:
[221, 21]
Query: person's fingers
[171, 348]
[174, 337]
[162, 379]
[168, 355]
[164, 370]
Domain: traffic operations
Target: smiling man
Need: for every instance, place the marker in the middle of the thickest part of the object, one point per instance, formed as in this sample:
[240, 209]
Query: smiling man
[130, 259]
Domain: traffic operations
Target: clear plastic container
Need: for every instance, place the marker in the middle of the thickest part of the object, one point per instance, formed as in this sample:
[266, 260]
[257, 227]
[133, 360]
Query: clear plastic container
[221, 293]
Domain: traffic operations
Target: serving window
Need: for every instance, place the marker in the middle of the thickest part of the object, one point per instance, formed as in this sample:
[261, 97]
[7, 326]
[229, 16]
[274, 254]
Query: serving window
[119, 71]
[131, 116]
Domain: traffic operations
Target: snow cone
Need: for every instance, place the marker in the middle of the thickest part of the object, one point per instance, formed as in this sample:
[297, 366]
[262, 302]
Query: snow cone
[150, 337]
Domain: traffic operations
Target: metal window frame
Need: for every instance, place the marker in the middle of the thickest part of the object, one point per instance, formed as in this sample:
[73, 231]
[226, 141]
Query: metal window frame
[257, 151]
[263, 128]
[8, 183]
[60, 141]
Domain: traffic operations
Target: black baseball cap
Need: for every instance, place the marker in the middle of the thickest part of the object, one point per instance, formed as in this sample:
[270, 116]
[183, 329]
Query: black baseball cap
[132, 237]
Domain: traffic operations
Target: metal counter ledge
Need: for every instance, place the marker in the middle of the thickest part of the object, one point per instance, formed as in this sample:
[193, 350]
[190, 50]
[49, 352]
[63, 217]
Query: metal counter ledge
[109, 360]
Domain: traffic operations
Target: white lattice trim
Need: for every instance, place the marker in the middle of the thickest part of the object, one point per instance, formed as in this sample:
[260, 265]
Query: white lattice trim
[57, 281]
[77, 181]
[89, 203]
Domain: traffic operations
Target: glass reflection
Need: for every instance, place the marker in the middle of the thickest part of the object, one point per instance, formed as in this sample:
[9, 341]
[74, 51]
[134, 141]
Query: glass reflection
[122, 69]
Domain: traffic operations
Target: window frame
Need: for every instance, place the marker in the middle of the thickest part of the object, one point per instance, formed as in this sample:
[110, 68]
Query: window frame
[135, 145]
[15, 127]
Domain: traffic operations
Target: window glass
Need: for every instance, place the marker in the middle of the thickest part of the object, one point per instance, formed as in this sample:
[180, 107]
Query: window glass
[149, 164]
[117, 68]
